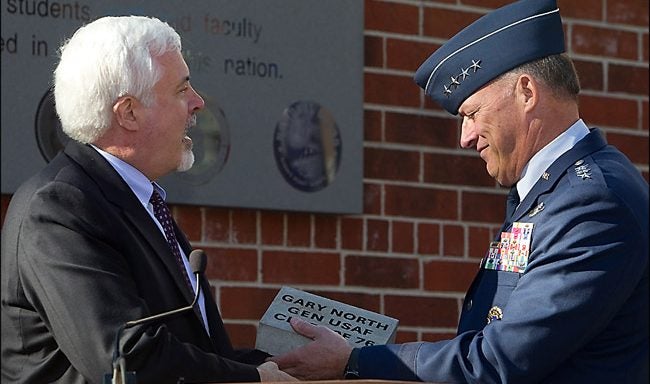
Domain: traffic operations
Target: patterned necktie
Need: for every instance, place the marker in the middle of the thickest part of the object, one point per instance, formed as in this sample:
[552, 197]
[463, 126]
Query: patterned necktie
[162, 213]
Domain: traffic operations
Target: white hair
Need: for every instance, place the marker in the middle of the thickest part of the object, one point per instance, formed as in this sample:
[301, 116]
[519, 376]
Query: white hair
[103, 61]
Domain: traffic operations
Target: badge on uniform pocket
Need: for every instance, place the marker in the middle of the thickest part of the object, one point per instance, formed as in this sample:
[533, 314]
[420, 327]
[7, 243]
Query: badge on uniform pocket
[495, 313]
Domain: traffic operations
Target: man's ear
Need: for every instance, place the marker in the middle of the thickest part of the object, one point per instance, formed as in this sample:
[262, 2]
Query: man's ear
[527, 91]
[124, 112]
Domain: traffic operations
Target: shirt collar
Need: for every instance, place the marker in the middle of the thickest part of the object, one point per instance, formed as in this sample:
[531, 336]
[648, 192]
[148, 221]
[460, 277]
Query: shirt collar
[547, 155]
[141, 186]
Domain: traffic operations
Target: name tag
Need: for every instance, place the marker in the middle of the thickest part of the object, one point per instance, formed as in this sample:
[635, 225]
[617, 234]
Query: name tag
[511, 252]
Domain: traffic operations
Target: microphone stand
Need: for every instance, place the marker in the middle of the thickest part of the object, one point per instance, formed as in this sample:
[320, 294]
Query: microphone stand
[198, 261]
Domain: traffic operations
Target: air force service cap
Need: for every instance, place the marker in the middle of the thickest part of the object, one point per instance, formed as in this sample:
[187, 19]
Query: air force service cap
[499, 41]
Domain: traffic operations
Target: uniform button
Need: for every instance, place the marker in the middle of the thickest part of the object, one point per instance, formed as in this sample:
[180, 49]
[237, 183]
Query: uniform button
[468, 305]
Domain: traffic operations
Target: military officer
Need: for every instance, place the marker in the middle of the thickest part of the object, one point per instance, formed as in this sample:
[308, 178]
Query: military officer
[562, 293]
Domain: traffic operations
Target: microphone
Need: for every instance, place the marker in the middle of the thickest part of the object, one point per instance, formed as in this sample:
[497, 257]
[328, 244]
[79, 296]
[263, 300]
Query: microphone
[198, 263]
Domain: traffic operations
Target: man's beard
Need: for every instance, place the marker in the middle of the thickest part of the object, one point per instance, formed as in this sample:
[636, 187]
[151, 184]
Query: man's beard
[187, 160]
[187, 157]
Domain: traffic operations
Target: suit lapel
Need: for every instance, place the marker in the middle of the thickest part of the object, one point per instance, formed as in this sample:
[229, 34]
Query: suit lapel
[117, 191]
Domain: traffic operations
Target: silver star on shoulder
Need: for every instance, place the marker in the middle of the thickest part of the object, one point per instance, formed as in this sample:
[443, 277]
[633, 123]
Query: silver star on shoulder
[476, 65]
[447, 91]
[454, 82]
[464, 72]
[583, 171]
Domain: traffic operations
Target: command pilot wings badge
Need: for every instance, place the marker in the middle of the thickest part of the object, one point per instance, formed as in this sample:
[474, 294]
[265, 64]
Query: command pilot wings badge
[536, 210]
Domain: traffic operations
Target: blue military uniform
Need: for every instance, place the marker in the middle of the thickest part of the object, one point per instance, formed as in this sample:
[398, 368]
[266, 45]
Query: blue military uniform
[562, 294]
[577, 313]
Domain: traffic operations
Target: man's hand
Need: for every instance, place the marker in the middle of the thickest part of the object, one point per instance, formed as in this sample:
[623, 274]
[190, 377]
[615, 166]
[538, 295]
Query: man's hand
[269, 371]
[323, 358]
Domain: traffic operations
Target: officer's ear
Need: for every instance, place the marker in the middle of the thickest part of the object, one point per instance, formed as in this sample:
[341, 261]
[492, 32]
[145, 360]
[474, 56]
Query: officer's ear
[527, 91]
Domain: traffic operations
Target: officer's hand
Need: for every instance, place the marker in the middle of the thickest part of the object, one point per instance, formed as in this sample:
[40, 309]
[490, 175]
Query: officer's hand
[323, 358]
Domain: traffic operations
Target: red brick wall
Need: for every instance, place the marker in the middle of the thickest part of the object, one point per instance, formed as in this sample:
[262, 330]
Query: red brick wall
[430, 209]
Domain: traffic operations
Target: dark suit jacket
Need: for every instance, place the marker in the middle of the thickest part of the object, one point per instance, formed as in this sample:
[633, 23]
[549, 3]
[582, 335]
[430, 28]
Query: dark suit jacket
[80, 257]
[578, 313]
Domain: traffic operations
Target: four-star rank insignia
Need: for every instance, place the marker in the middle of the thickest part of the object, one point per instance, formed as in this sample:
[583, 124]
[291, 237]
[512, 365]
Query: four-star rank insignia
[582, 170]
[456, 81]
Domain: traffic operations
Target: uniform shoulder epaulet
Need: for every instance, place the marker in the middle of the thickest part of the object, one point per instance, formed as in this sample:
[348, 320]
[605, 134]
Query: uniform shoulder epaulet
[585, 171]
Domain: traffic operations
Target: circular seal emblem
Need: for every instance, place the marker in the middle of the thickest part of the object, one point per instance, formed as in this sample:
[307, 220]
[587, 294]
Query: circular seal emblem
[307, 146]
